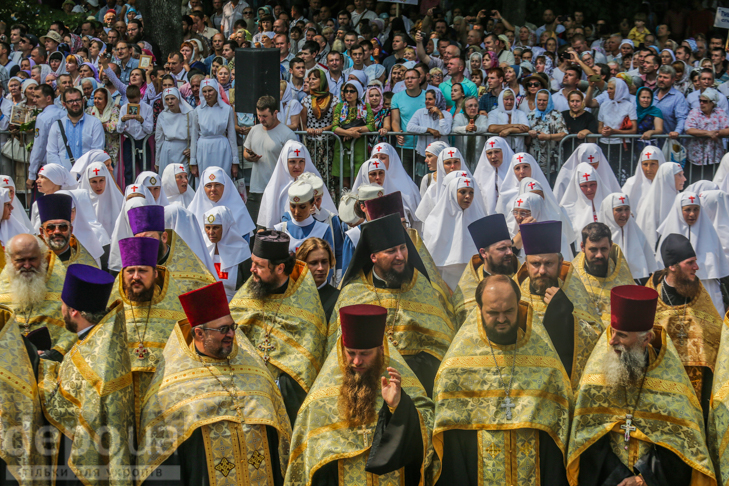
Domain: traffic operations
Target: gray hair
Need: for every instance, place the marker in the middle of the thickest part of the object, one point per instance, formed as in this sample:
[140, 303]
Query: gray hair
[94, 317]
[666, 69]
[195, 77]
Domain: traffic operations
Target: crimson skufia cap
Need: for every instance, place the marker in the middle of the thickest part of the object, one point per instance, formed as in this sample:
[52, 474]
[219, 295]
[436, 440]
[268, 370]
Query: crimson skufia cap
[385, 205]
[86, 289]
[363, 326]
[271, 245]
[205, 304]
[541, 238]
[632, 308]
[676, 249]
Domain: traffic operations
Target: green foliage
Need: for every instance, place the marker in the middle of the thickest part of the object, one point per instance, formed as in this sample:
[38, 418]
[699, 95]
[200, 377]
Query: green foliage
[38, 17]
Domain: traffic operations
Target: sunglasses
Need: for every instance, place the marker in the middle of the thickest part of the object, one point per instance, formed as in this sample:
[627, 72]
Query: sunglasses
[350, 91]
[249, 12]
[534, 85]
[51, 228]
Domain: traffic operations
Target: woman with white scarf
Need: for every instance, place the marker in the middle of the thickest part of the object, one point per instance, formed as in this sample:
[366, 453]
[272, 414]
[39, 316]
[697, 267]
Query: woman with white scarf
[433, 121]
[432, 152]
[122, 230]
[107, 111]
[175, 185]
[613, 119]
[86, 228]
[220, 190]
[139, 191]
[583, 198]
[592, 154]
[450, 160]
[532, 208]
[51, 179]
[173, 133]
[521, 165]
[507, 119]
[715, 205]
[651, 158]
[9, 225]
[19, 213]
[492, 169]
[152, 181]
[615, 212]
[293, 161]
[106, 198]
[659, 199]
[446, 234]
[720, 178]
[289, 112]
[713, 264]
[227, 248]
[213, 133]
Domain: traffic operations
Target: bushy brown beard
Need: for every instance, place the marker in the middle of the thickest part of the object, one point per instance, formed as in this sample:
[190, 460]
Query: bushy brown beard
[540, 285]
[143, 296]
[625, 369]
[358, 394]
[685, 286]
[260, 290]
[395, 279]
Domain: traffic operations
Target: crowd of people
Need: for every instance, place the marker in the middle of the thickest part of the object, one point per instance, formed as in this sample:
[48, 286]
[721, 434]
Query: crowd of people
[483, 303]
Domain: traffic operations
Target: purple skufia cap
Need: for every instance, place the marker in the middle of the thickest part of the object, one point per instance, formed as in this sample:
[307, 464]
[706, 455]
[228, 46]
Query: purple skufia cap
[147, 218]
[54, 206]
[139, 251]
[86, 288]
[541, 238]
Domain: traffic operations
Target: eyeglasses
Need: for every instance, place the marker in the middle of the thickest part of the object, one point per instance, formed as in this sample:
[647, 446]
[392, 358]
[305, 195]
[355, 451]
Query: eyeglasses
[51, 228]
[350, 91]
[222, 329]
[534, 85]
[248, 12]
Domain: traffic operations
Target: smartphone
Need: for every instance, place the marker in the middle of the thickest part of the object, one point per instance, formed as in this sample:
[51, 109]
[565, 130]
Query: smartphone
[595, 78]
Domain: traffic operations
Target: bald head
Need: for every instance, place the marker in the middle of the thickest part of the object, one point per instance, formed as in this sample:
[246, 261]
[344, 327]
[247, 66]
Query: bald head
[23, 243]
[498, 297]
[26, 252]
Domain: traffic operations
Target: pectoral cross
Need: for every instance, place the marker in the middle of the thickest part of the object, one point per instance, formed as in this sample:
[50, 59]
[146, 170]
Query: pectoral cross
[628, 428]
[508, 405]
[365, 433]
[266, 346]
[682, 334]
[141, 351]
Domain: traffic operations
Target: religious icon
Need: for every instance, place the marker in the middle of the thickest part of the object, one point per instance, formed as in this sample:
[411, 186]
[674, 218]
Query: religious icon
[133, 109]
[145, 61]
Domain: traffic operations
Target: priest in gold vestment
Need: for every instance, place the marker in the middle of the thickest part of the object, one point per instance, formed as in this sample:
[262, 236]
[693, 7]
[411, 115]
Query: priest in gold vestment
[89, 398]
[637, 420]
[367, 420]
[31, 284]
[213, 415]
[717, 427]
[686, 312]
[57, 230]
[601, 266]
[279, 311]
[387, 271]
[502, 396]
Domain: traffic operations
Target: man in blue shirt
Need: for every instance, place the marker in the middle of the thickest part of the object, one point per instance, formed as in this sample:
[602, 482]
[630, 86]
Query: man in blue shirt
[126, 61]
[490, 99]
[404, 105]
[50, 115]
[672, 103]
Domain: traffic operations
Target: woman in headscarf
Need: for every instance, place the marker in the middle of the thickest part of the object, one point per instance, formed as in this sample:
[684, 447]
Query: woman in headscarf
[317, 116]
[397, 74]
[107, 112]
[449, 160]
[175, 185]
[583, 198]
[715, 205]
[11, 226]
[7, 182]
[57, 63]
[590, 153]
[375, 72]
[686, 217]
[191, 54]
[28, 101]
[617, 116]
[507, 119]
[151, 180]
[87, 230]
[298, 221]
[224, 78]
[527, 37]
[122, 229]
[433, 121]
[88, 70]
[289, 112]
[658, 200]
[720, 178]
[173, 133]
[293, 161]
[616, 212]
[637, 186]
[227, 248]
[470, 122]
[383, 123]
[683, 77]
[452, 215]
[667, 57]
[521, 166]
[105, 196]
[491, 170]
[547, 129]
[51, 179]
[214, 140]
[352, 116]
[650, 117]
[708, 124]
[220, 191]
[40, 72]
[432, 152]
[489, 60]
[531, 207]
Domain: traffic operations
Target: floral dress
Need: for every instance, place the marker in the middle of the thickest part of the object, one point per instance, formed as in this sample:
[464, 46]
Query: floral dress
[111, 137]
[545, 151]
[321, 147]
[359, 146]
[704, 150]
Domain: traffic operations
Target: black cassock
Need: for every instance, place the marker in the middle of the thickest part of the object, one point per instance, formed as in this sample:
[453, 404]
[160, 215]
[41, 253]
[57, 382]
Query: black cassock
[328, 295]
[397, 444]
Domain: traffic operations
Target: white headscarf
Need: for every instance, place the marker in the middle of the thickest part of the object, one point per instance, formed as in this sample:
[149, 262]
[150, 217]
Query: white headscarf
[108, 205]
[721, 173]
[399, 178]
[582, 154]
[710, 255]
[700, 186]
[578, 207]
[93, 155]
[658, 201]
[538, 206]
[152, 179]
[610, 110]
[502, 116]
[275, 199]
[123, 230]
[232, 248]
[637, 186]
[715, 204]
[83, 228]
[185, 107]
[631, 240]
[436, 147]
[140, 189]
[58, 175]
[170, 189]
[10, 227]
[184, 223]
[485, 173]
[213, 84]
[231, 199]
[510, 185]
[18, 209]
[447, 218]
[552, 211]
[436, 190]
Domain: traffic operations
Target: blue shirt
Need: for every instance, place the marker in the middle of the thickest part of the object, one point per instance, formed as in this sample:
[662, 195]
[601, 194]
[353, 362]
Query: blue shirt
[488, 102]
[407, 105]
[75, 140]
[675, 109]
[127, 70]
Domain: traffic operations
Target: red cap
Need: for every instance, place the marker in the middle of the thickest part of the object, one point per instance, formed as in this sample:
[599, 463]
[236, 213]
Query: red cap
[633, 308]
[205, 304]
[363, 326]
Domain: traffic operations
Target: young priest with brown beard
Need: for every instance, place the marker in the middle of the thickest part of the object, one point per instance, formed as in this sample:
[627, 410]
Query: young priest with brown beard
[366, 419]
[686, 312]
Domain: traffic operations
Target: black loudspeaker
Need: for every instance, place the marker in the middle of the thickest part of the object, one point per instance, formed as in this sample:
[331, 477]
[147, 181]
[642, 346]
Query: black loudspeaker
[257, 73]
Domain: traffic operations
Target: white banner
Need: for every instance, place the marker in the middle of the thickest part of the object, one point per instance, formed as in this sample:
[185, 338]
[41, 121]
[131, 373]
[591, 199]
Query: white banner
[722, 18]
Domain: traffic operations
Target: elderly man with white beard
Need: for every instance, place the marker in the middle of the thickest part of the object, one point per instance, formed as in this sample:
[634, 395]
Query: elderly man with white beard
[637, 420]
[30, 284]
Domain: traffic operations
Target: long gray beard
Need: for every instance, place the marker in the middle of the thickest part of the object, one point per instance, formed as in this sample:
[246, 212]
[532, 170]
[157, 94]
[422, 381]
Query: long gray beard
[28, 288]
[625, 369]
